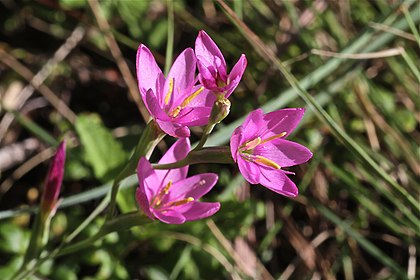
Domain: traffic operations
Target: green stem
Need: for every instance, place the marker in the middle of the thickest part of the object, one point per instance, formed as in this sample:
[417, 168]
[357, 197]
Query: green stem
[123, 222]
[206, 133]
[149, 139]
[205, 155]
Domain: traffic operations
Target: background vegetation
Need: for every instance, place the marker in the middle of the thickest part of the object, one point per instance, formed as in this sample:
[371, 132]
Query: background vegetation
[67, 70]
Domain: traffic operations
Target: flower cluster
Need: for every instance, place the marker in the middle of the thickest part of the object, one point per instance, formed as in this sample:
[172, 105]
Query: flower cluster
[184, 99]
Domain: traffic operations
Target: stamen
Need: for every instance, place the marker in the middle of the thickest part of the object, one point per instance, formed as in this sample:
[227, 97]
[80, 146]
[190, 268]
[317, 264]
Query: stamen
[175, 112]
[273, 137]
[267, 162]
[251, 144]
[179, 202]
[191, 97]
[170, 91]
[164, 191]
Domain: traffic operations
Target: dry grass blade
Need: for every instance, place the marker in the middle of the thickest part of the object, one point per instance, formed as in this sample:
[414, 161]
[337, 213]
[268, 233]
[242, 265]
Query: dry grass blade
[380, 54]
[119, 59]
[71, 42]
[395, 31]
[49, 95]
[262, 271]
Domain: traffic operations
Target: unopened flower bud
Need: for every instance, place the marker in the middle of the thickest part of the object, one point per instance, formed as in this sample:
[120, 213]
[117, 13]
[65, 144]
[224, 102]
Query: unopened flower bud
[54, 180]
[220, 110]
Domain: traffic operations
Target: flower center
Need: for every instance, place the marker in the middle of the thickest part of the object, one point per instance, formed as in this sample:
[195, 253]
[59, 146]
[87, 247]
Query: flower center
[157, 200]
[175, 112]
[246, 150]
[220, 82]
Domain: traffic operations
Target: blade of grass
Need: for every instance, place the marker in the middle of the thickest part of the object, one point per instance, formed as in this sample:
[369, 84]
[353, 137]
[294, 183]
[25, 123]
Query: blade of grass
[170, 42]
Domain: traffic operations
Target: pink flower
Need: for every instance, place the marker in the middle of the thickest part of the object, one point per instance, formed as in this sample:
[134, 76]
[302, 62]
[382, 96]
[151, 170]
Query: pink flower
[261, 151]
[175, 102]
[169, 195]
[54, 180]
[212, 66]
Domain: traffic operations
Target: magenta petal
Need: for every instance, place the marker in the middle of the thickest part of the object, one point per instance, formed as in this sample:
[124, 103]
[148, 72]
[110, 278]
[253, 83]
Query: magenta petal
[143, 203]
[154, 107]
[148, 185]
[283, 152]
[253, 124]
[249, 170]
[205, 99]
[176, 152]
[284, 120]
[174, 129]
[235, 142]
[183, 74]
[200, 210]
[195, 187]
[149, 74]
[170, 216]
[235, 75]
[54, 178]
[278, 182]
[206, 48]
[195, 116]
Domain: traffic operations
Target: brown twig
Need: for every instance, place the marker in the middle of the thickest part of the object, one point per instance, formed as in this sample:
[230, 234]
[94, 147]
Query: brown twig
[119, 59]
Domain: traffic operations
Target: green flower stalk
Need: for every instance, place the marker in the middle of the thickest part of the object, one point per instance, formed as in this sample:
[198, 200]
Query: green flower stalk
[48, 206]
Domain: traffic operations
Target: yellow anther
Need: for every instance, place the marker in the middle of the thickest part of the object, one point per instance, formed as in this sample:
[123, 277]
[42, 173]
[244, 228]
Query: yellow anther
[175, 112]
[191, 97]
[165, 190]
[267, 162]
[170, 91]
[273, 137]
[180, 202]
[158, 198]
[251, 144]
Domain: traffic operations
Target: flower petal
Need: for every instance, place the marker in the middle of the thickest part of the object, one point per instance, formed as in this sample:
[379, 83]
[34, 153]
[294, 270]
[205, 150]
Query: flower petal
[207, 50]
[148, 185]
[195, 187]
[196, 116]
[152, 104]
[169, 216]
[174, 129]
[200, 210]
[176, 152]
[205, 99]
[235, 75]
[284, 120]
[235, 142]
[252, 125]
[182, 74]
[283, 152]
[278, 182]
[149, 75]
[249, 170]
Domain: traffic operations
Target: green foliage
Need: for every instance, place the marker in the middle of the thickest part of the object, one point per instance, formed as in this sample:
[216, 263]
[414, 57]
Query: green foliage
[101, 151]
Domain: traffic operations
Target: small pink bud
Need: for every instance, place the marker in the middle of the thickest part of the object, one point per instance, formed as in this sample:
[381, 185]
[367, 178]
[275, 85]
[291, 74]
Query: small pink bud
[54, 180]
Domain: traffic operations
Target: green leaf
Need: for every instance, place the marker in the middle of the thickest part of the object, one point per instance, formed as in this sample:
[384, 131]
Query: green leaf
[102, 152]
[13, 239]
